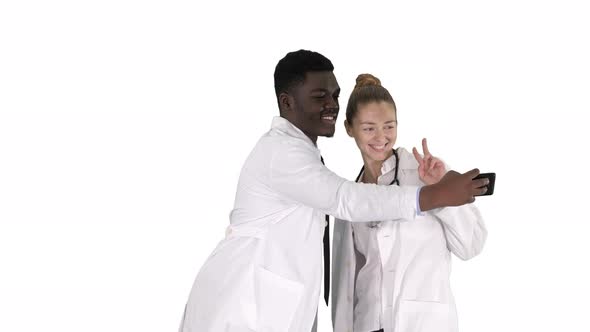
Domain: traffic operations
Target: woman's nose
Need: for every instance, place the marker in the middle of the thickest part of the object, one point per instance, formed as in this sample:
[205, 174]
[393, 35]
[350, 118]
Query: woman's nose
[379, 135]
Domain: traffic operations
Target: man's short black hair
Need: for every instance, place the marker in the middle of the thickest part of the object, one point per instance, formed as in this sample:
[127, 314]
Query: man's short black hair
[291, 69]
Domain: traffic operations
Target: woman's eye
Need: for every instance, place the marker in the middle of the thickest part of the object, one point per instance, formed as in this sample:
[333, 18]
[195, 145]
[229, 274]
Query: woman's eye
[368, 129]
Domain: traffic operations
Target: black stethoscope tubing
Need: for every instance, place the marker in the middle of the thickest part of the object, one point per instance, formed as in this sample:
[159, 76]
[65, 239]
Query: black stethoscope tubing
[395, 180]
[375, 224]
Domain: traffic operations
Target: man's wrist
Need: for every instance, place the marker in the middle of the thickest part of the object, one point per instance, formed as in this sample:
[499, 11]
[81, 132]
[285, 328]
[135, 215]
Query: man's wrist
[427, 199]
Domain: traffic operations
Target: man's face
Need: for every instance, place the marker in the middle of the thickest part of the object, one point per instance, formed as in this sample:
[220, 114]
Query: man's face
[315, 105]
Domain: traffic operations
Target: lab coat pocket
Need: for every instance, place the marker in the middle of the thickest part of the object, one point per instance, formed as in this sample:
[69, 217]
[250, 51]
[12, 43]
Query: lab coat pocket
[423, 316]
[277, 300]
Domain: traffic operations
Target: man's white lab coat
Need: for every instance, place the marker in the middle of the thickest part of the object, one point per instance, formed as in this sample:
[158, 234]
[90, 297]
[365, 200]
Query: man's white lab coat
[265, 276]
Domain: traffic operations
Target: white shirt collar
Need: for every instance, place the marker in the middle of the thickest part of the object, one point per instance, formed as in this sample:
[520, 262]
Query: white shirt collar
[283, 125]
[406, 162]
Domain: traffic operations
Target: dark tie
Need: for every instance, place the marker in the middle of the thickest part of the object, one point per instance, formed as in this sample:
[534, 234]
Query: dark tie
[326, 256]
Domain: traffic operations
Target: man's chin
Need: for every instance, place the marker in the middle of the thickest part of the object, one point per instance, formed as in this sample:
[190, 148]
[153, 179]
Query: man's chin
[328, 134]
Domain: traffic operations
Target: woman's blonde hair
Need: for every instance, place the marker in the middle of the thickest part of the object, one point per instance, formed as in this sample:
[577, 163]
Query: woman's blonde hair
[368, 89]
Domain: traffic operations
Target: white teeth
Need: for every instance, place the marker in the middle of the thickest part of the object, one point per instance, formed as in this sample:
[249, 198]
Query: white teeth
[378, 147]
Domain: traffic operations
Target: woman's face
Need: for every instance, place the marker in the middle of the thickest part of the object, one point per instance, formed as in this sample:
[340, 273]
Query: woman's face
[374, 128]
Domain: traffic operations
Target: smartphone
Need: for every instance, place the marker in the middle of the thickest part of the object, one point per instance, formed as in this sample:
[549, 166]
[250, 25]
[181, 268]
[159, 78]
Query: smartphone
[492, 178]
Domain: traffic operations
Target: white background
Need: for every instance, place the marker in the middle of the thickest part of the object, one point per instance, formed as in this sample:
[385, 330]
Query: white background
[124, 125]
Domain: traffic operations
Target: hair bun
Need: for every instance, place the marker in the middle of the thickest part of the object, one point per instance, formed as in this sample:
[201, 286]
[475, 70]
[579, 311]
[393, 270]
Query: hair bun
[366, 80]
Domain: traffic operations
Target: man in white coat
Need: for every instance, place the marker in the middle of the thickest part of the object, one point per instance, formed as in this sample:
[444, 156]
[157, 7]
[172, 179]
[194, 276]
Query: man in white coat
[265, 276]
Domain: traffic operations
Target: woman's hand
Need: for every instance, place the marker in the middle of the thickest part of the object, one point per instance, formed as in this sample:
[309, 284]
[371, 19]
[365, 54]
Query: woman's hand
[430, 168]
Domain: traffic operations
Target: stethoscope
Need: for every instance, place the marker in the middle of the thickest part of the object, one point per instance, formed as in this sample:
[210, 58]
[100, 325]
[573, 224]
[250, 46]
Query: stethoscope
[395, 180]
[375, 224]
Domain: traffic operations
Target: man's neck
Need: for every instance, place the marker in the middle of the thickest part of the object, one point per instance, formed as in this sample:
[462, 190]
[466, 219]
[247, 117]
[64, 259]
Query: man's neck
[314, 139]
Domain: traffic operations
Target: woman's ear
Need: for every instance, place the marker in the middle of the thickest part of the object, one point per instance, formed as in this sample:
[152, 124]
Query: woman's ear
[348, 128]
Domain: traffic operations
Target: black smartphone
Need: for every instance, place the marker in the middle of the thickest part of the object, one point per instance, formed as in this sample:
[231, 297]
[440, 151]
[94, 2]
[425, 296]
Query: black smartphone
[492, 178]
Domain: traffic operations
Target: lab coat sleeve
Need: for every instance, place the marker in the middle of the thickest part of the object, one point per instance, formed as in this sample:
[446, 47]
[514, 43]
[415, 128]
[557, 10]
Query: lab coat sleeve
[343, 271]
[297, 173]
[464, 230]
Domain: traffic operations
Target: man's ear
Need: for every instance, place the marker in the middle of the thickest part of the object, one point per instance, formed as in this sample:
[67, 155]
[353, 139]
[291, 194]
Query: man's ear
[285, 102]
[348, 128]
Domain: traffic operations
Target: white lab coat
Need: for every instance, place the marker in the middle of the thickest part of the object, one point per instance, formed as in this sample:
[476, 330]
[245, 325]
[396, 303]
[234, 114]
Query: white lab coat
[395, 276]
[265, 276]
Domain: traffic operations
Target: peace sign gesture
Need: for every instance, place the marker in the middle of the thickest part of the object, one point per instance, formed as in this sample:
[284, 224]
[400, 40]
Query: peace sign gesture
[430, 168]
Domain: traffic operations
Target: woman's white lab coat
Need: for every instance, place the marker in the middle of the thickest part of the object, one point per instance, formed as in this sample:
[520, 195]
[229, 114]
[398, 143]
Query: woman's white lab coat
[395, 274]
[265, 276]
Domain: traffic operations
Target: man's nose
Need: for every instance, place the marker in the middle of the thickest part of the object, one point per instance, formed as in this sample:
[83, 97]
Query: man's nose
[332, 103]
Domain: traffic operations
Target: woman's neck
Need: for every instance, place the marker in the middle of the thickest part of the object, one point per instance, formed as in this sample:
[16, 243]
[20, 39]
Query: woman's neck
[372, 171]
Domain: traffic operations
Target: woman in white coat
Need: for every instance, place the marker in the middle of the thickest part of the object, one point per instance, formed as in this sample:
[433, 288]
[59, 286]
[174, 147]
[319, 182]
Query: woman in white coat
[394, 275]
